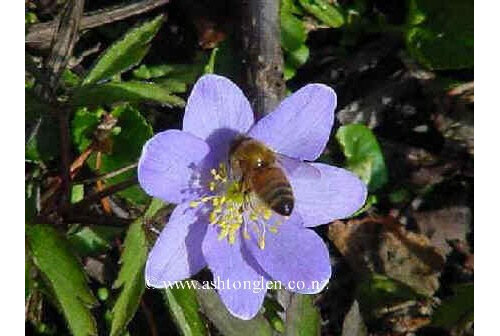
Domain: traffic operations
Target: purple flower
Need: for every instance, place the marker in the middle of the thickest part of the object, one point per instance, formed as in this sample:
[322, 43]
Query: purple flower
[213, 226]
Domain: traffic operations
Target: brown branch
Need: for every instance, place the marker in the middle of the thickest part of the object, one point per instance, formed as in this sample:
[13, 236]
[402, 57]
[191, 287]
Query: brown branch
[265, 86]
[65, 155]
[80, 160]
[61, 51]
[63, 43]
[98, 220]
[263, 56]
[109, 175]
[100, 186]
[101, 194]
[39, 35]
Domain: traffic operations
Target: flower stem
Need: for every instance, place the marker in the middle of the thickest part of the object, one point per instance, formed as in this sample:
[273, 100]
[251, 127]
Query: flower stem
[262, 54]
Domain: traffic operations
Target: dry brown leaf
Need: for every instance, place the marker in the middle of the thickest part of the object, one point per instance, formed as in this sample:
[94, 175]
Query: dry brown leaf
[209, 34]
[382, 245]
[454, 118]
[443, 225]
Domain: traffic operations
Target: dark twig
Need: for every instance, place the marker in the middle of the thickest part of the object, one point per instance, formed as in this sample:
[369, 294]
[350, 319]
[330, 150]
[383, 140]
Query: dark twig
[284, 298]
[63, 43]
[78, 59]
[61, 51]
[39, 35]
[65, 155]
[104, 193]
[261, 38]
[109, 175]
[98, 220]
[263, 55]
[149, 318]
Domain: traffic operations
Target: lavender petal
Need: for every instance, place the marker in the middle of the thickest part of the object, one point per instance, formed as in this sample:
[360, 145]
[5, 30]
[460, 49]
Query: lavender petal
[301, 125]
[177, 253]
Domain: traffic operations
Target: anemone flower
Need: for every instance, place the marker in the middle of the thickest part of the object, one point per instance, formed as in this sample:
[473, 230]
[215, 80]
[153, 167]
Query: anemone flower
[212, 224]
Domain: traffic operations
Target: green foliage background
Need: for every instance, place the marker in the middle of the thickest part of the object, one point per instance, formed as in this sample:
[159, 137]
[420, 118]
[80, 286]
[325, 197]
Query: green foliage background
[130, 84]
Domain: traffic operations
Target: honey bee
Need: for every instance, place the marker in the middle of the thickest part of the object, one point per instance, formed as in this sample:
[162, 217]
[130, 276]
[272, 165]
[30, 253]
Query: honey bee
[261, 174]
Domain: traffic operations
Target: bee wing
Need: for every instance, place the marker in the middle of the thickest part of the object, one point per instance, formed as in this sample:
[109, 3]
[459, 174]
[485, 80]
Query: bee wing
[298, 168]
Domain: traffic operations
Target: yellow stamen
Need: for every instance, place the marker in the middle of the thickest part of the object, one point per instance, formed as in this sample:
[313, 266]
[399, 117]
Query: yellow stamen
[262, 242]
[211, 186]
[229, 205]
[267, 213]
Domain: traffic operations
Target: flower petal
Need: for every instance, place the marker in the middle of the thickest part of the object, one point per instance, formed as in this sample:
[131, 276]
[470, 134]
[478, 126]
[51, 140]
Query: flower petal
[230, 268]
[301, 125]
[295, 256]
[217, 110]
[167, 164]
[177, 254]
[338, 193]
[298, 168]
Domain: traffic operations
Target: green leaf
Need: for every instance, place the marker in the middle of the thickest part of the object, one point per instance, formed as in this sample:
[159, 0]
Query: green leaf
[363, 154]
[92, 241]
[103, 293]
[30, 18]
[289, 71]
[133, 91]
[29, 283]
[228, 61]
[298, 57]
[210, 67]
[83, 125]
[302, 316]
[173, 77]
[172, 85]
[154, 206]
[291, 6]
[293, 38]
[329, 14]
[34, 106]
[130, 278]
[42, 142]
[186, 71]
[400, 195]
[61, 269]
[155, 71]
[77, 191]
[226, 323]
[126, 145]
[371, 200]
[293, 32]
[126, 53]
[455, 310]
[379, 290]
[441, 33]
[272, 313]
[70, 79]
[184, 308]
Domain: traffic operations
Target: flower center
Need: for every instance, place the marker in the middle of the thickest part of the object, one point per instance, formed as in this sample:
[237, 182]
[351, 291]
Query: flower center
[233, 207]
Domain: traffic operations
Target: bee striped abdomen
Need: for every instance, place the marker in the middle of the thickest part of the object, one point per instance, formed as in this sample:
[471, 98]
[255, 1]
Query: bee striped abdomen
[273, 188]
